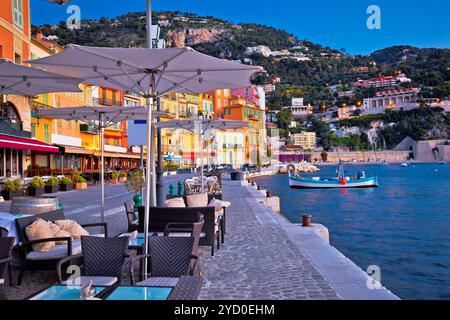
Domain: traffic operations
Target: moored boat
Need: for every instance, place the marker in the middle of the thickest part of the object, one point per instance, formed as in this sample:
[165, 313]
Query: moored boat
[361, 181]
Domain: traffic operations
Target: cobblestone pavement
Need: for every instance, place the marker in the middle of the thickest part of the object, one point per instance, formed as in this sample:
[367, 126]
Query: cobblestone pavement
[257, 260]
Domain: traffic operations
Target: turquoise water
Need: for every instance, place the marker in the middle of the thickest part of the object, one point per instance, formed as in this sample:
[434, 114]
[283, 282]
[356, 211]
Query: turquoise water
[403, 226]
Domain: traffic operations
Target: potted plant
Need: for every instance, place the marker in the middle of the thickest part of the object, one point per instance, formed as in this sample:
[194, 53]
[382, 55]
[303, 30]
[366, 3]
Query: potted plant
[135, 184]
[51, 185]
[80, 182]
[11, 189]
[114, 176]
[65, 184]
[36, 187]
[122, 176]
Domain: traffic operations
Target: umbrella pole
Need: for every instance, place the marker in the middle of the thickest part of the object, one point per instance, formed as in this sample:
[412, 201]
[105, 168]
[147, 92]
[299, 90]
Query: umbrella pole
[201, 156]
[102, 168]
[148, 165]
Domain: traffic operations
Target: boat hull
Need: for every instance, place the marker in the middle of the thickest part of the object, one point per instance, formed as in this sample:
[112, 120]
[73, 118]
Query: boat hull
[304, 183]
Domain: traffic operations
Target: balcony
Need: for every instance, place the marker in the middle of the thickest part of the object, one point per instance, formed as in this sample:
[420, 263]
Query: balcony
[87, 128]
[233, 146]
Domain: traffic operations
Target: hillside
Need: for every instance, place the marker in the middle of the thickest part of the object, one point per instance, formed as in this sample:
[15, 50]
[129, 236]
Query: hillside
[299, 64]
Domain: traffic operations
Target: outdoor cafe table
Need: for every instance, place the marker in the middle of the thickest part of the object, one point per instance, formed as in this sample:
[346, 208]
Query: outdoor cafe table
[8, 222]
[64, 292]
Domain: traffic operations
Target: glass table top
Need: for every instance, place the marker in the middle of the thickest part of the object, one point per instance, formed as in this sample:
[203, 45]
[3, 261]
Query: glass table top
[139, 293]
[62, 292]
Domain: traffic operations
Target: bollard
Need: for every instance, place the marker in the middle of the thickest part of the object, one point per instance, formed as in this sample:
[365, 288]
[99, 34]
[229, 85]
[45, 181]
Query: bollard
[306, 220]
[268, 193]
[171, 189]
[180, 189]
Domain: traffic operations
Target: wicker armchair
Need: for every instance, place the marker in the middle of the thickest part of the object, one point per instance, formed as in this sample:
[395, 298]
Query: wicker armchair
[170, 258]
[102, 260]
[6, 245]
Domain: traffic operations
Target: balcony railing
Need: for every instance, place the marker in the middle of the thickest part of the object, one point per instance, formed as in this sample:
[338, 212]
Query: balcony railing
[105, 102]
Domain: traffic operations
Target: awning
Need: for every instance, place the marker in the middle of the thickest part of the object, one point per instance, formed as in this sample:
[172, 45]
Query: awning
[25, 144]
[77, 150]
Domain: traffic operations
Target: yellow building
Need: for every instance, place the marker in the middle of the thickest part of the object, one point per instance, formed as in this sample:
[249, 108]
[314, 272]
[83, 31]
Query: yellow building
[306, 140]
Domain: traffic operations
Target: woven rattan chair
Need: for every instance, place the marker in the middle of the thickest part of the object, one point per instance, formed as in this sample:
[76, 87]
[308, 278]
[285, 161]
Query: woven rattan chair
[190, 229]
[102, 260]
[170, 258]
[6, 246]
[187, 288]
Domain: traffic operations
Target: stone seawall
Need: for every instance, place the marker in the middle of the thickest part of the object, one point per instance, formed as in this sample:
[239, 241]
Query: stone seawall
[347, 279]
[389, 156]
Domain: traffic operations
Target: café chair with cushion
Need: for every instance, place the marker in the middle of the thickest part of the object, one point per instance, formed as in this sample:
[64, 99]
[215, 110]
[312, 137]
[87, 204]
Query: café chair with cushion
[6, 246]
[42, 253]
[170, 258]
[102, 261]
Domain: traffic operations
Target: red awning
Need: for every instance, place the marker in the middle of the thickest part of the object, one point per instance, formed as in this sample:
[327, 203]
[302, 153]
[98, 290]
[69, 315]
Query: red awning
[25, 144]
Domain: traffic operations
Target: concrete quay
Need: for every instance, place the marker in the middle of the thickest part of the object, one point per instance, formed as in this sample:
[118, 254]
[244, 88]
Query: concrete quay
[267, 257]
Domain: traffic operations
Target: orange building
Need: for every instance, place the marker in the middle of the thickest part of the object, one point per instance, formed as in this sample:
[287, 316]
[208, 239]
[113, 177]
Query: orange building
[253, 136]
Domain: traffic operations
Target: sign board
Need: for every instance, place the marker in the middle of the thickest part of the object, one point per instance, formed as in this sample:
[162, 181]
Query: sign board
[137, 132]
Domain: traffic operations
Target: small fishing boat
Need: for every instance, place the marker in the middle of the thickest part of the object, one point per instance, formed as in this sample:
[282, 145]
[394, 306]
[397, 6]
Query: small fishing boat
[361, 181]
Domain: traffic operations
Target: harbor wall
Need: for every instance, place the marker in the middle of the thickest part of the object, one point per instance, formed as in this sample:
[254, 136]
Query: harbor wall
[348, 280]
[364, 156]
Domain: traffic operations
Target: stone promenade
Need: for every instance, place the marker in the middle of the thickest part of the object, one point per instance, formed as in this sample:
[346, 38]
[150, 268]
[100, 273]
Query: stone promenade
[258, 261]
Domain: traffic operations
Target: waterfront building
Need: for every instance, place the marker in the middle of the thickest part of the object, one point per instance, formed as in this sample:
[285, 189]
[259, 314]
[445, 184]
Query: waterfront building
[18, 149]
[389, 99]
[382, 81]
[298, 109]
[306, 140]
[242, 110]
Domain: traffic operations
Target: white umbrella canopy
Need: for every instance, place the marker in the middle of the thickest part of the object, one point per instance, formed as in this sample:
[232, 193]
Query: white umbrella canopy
[149, 73]
[128, 69]
[105, 117]
[19, 80]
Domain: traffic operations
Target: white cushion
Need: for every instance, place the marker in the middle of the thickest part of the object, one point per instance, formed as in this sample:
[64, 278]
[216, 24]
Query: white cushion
[175, 203]
[197, 200]
[96, 281]
[57, 252]
[159, 282]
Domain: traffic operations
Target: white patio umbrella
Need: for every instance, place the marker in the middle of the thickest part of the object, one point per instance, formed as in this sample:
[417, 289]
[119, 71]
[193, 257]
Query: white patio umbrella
[24, 81]
[150, 73]
[199, 127]
[104, 118]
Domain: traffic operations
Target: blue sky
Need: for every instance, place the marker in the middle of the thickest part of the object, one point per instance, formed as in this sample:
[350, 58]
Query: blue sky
[335, 23]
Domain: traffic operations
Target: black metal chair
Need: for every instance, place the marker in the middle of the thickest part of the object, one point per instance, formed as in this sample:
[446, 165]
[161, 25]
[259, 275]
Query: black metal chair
[3, 232]
[132, 220]
[102, 260]
[169, 259]
[6, 246]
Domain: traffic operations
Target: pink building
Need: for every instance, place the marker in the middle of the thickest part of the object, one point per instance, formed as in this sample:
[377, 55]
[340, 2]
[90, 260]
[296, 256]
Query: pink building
[248, 94]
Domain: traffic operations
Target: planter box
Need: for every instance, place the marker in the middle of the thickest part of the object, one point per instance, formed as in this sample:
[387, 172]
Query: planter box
[122, 179]
[33, 192]
[65, 187]
[51, 189]
[237, 176]
[7, 195]
[81, 185]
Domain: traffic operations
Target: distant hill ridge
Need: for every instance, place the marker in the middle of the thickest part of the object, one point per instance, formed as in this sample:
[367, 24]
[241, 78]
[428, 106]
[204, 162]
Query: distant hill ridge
[296, 62]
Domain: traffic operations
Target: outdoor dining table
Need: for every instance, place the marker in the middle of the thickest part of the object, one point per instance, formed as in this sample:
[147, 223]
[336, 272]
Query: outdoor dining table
[64, 292]
[8, 222]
